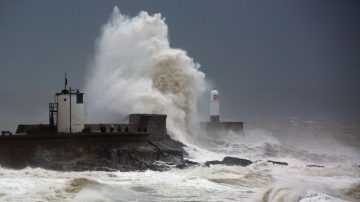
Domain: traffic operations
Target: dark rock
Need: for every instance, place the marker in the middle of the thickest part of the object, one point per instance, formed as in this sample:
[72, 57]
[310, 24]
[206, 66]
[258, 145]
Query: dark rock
[278, 162]
[230, 161]
[186, 164]
[208, 163]
[315, 166]
[236, 161]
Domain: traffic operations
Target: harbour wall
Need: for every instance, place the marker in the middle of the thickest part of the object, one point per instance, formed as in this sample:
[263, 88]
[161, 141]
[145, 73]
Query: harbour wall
[65, 152]
[138, 147]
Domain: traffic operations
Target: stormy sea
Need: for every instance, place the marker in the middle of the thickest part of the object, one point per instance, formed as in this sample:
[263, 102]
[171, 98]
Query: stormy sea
[333, 176]
[135, 70]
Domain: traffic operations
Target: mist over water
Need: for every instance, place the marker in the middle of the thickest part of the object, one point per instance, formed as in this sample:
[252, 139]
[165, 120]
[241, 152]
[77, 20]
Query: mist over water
[136, 71]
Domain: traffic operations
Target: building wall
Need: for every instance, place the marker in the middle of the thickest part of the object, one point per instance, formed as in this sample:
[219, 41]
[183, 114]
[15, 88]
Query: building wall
[155, 124]
[63, 116]
[118, 128]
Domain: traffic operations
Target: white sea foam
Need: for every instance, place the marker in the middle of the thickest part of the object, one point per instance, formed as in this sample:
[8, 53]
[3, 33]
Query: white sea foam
[261, 181]
[136, 71]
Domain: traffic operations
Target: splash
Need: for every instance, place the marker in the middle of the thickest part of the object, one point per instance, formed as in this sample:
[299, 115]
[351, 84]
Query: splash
[136, 71]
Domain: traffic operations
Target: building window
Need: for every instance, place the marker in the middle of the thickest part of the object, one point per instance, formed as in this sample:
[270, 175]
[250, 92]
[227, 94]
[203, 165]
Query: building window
[79, 98]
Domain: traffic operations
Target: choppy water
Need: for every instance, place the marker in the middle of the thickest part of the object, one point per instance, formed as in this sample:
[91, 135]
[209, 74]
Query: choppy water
[339, 180]
[136, 70]
[259, 182]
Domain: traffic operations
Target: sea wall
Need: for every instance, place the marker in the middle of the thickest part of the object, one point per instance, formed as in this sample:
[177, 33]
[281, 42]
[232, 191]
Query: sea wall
[125, 152]
[137, 145]
[49, 151]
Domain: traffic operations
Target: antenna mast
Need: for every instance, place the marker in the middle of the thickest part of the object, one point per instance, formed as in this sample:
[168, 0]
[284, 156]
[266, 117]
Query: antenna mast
[65, 80]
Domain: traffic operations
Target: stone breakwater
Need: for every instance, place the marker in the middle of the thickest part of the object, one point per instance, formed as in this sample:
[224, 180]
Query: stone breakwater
[141, 144]
[125, 152]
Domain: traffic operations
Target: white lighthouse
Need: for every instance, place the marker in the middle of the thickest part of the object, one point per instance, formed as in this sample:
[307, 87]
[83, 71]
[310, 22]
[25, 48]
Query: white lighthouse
[214, 106]
[69, 110]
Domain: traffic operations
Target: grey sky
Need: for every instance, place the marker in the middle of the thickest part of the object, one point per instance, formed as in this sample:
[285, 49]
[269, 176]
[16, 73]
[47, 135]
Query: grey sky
[268, 58]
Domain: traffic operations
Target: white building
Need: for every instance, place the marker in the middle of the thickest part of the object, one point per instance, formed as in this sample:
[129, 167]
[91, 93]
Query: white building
[68, 111]
[214, 106]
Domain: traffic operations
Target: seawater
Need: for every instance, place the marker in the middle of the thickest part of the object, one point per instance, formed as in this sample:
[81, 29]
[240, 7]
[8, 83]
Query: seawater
[136, 71]
[339, 180]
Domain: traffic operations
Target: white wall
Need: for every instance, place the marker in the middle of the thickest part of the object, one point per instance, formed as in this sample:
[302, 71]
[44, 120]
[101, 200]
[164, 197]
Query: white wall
[63, 118]
[214, 106]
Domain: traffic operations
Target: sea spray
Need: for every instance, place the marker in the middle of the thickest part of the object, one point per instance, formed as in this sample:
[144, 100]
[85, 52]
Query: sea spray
[136, 71]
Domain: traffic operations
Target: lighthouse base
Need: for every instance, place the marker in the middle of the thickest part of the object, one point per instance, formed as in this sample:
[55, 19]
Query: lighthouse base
[215, 129]
[214, 118]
